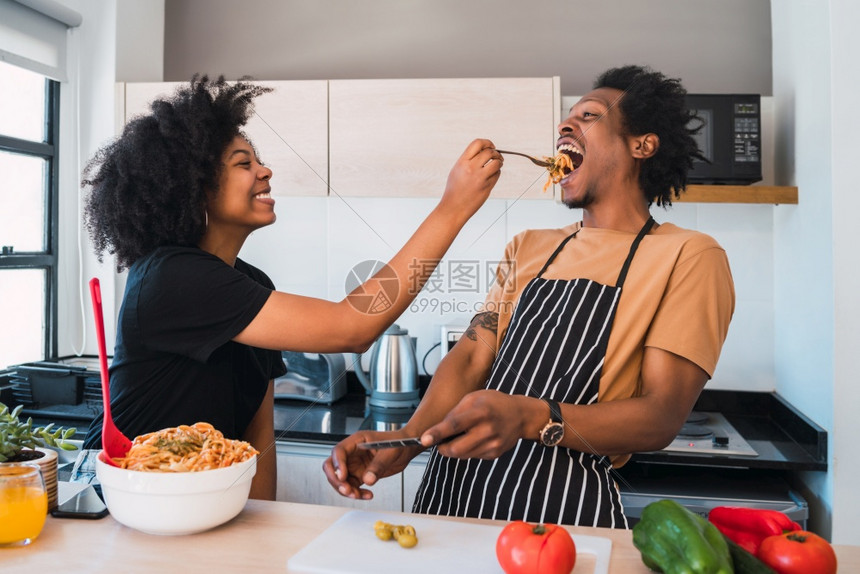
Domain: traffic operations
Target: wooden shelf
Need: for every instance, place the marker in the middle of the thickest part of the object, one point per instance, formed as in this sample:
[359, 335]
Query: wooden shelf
[739, 194]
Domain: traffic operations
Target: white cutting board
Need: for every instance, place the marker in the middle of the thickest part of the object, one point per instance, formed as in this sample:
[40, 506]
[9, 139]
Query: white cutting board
[351, 546]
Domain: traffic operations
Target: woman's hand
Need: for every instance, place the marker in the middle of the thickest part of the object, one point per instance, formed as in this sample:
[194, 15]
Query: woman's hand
[472, 178]
[492, 423]
[348, 467]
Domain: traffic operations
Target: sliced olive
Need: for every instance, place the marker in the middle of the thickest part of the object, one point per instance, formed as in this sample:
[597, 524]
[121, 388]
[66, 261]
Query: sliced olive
[407, 540]
[383, 533]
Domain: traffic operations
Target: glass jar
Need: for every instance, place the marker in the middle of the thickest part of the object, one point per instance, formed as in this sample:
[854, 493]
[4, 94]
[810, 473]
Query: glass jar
[23, 503]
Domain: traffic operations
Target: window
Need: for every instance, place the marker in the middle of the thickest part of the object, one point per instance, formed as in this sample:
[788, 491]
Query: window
[29, 130]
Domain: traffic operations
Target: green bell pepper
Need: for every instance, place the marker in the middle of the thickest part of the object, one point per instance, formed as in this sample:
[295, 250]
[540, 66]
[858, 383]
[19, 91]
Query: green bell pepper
[675, 540]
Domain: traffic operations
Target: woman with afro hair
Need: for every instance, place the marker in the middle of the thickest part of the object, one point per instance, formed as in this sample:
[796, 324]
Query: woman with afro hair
[200, 331]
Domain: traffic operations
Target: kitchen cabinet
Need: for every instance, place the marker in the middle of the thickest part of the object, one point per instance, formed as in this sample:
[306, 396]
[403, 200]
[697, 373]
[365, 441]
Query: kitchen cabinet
[400, 138]
[301, 479]
[289, 130]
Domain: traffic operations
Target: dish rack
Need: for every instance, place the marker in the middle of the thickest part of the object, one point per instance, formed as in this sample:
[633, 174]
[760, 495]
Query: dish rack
[44, 387]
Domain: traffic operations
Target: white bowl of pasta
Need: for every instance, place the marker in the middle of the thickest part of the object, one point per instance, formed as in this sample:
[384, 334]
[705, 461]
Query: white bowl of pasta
[164, 492]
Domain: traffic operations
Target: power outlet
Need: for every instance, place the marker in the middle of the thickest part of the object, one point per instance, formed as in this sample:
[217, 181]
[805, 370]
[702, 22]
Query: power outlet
[450, 335]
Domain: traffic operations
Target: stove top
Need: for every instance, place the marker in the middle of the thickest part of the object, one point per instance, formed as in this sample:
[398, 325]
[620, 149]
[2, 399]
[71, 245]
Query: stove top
[710, 433]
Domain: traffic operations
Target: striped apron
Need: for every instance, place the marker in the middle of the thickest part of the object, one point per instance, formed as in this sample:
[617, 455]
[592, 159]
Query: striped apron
[554, 347]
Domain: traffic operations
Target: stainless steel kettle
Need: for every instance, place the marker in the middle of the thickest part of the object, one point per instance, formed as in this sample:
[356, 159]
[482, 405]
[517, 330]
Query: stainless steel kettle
[393, 378]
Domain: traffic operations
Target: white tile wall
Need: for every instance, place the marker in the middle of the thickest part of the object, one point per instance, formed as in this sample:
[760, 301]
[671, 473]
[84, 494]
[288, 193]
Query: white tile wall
[746, 233]
[293, 251]
[316, 241]
[746, 362]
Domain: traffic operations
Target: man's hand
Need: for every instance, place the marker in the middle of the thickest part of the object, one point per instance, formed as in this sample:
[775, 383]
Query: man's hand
[492, 421]
[349, 467]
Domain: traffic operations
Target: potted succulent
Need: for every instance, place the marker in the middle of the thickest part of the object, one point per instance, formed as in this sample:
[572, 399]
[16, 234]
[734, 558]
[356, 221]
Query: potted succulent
[20, 442]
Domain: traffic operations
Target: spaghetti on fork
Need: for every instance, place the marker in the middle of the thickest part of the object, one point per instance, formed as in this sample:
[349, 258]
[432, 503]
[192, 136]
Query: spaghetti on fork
[560, 165]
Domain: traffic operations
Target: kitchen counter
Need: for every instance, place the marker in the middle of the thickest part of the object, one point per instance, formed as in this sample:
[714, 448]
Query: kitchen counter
[783, 438]
[261, 539]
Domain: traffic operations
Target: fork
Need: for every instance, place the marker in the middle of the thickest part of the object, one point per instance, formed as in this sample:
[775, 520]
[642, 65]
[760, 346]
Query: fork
[530, 158]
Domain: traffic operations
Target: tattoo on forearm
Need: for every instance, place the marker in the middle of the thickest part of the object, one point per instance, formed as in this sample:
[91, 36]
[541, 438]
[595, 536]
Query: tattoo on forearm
[489, 321]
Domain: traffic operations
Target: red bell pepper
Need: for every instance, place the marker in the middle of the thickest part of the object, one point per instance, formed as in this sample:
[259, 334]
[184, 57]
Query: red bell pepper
[749, 526]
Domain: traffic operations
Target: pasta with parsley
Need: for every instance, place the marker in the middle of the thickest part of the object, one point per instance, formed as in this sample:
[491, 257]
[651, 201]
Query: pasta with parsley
[186, 448]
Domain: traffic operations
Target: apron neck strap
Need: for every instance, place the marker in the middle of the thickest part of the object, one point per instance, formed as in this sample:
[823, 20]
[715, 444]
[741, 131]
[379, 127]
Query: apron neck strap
[621, 276]
[642, 233]
[558, 249]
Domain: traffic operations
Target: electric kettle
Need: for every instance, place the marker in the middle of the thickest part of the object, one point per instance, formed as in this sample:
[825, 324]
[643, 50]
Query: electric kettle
[393, 378]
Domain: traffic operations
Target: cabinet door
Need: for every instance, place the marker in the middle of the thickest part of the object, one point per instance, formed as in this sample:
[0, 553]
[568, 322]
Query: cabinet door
[301, 479]
[289, 129]
[400, 138]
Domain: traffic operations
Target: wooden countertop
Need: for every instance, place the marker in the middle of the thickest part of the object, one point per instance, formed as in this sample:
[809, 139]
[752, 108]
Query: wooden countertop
[260, 539]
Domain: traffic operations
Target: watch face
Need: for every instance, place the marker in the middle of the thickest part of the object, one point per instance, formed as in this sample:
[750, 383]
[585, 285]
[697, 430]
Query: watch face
[552, 434]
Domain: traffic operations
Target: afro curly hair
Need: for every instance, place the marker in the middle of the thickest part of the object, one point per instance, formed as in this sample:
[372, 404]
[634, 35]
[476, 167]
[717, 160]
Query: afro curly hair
[148, 187]
[653, 103]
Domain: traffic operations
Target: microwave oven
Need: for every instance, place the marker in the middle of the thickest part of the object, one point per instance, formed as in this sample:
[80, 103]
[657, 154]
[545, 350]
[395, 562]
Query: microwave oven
[730, 138]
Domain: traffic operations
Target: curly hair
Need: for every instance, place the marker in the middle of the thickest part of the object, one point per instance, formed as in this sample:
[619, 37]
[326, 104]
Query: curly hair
[653, 103]
[149, 185]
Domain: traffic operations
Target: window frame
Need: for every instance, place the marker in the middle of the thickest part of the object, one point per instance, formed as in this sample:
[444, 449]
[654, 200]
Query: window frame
[48, 259]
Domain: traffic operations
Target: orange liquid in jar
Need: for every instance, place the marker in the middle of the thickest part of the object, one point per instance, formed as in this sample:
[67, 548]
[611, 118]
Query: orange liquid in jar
[23, 510]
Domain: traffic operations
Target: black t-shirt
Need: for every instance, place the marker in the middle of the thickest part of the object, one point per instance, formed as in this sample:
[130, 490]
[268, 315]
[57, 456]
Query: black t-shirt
[174, 361]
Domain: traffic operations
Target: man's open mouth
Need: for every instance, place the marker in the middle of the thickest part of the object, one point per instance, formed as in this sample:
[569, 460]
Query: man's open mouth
[574, 153]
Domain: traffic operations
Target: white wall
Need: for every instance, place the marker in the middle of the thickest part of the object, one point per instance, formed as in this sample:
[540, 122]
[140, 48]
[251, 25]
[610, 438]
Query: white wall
[715, 46]
[140, 40]
[87, 120]
[99, 50]
[803, 259]
[845, 49]
[319, 267]
[815, 262]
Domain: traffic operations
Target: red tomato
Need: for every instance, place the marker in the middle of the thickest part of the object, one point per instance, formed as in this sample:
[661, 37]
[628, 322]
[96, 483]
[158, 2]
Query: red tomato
[524, 548]
[798, 552]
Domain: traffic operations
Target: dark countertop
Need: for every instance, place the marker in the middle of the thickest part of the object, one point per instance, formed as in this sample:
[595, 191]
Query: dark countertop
[297, 420]
[782, 436]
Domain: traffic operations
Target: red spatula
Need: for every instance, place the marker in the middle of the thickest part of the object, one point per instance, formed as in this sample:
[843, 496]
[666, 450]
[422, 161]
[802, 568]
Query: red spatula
[114, 443]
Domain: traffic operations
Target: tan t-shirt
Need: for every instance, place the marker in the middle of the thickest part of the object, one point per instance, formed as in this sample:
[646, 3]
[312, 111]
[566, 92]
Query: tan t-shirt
[678, 295]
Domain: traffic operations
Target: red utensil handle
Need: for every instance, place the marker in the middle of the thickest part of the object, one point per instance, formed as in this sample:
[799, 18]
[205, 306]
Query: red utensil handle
[96, 293]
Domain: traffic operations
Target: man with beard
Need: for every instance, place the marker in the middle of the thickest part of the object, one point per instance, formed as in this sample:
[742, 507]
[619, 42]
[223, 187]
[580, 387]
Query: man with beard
[594, 343]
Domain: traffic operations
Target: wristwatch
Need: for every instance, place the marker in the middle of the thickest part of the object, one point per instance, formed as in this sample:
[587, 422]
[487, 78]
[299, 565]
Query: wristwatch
[552, 433]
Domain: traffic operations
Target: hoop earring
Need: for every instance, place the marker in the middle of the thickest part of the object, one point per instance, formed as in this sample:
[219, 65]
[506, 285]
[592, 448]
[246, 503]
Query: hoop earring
[205, 219]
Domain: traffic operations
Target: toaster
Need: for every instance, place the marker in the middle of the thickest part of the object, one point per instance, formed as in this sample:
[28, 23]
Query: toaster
[314, 377]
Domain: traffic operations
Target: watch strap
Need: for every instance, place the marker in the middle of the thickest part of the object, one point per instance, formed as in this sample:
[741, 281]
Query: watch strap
[554, 410]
